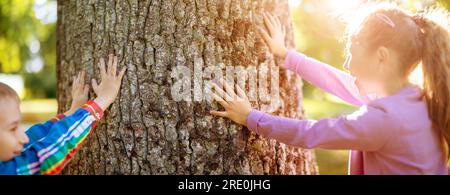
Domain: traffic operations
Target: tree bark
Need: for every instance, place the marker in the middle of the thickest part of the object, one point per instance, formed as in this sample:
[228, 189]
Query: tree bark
[146, 131]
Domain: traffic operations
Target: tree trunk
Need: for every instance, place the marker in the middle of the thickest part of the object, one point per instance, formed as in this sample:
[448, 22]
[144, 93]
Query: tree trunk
[146, 131]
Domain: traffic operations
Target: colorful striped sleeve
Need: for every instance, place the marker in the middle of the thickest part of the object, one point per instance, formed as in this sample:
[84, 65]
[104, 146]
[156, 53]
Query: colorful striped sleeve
[53, 152]
[39, 131]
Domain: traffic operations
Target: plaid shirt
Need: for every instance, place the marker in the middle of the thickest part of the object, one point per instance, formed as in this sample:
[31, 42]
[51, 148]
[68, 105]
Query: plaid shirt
[53, 143]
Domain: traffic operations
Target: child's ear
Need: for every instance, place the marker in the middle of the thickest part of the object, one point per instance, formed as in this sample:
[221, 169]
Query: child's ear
[383, 55]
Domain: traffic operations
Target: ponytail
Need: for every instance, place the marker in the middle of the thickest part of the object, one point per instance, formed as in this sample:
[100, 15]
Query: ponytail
[436, 69]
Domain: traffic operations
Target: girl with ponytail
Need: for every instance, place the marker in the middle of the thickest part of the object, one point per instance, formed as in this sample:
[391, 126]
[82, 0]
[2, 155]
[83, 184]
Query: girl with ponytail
[401, 127]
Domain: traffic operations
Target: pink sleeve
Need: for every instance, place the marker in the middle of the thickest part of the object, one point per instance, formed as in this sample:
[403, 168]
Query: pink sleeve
[324, 76]
[362, 130]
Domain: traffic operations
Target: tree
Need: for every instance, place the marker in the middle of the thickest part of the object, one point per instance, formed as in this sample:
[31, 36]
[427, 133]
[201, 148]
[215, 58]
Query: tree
[146, 131]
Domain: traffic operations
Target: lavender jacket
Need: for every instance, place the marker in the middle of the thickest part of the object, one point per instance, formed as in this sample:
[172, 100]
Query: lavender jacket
[391, 135]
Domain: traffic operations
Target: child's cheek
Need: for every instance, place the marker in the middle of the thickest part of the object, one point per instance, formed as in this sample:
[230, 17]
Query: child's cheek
[7, 147]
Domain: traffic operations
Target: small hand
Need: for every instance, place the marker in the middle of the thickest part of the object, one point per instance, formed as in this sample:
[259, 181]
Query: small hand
[109, 87]
[237, 106]
[79, 93]
[274, 35]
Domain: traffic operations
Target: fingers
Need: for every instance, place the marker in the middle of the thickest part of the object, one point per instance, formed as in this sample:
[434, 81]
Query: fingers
[86, 90]
[274, 20]
[113, 64]
[81, 79]
[221, 114]
[273, 23]
[102, 67]
[271, 19]
[110, 67]
[277, 21]
[228, 89]
[111, 70]
[219, 99]
[241, 92]
[78, 77]
[266, 37]
[74, 82]
[94, 85]
[122, 72]
[221, 92]
[268, 23]
[283, 30]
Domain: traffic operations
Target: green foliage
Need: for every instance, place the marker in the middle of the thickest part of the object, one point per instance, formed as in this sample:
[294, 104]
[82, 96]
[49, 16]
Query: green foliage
[16, 25]
[19, 26]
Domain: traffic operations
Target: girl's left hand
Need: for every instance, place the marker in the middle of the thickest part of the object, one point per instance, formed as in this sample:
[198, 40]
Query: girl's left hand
[237, 106]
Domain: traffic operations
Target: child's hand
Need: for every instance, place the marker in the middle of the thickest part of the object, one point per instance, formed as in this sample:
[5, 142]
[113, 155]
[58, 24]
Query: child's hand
[109, 87]
[237, 106]
[79, 93]
[274, 35]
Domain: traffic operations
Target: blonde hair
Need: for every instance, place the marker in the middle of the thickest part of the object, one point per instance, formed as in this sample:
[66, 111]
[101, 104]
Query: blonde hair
[417, 39]
[7, 92]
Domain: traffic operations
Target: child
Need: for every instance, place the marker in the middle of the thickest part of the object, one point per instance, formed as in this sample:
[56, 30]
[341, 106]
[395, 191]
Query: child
[399, 128]
[46, 148]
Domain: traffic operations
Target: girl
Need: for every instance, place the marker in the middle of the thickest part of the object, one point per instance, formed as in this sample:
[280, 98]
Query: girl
[399, 128]
[46, 148]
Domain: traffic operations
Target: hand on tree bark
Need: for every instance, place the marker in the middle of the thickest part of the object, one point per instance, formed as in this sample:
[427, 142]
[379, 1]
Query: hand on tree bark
[109, 87]
[274, 35]
[237, 106]
[80, 92]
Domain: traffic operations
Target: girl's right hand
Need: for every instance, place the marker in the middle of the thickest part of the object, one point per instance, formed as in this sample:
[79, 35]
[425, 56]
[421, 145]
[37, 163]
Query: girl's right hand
[108, 89]
[274, 35]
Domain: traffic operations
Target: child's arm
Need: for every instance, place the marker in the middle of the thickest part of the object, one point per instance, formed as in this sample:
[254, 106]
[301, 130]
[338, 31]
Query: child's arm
[326, 77]
[51, 153]
[362, 130]
[39, 131]
[319, 74]
[79, 98]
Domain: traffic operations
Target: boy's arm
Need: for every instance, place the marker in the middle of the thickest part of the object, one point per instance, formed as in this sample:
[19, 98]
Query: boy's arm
[79, 94]
[39, 131]
[324, 76]
[361, 130]
[51, 154]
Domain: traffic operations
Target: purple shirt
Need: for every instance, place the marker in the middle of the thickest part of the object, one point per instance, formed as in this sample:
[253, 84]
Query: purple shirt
[391, 135]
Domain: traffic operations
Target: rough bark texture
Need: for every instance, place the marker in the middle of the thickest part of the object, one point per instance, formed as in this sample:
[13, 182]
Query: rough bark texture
[145, 131]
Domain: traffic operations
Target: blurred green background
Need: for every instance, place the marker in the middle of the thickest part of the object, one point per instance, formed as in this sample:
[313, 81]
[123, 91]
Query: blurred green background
[28, 56]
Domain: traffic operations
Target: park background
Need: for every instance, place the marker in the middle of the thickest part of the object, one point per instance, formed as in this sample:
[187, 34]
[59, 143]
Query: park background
[28, 57]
